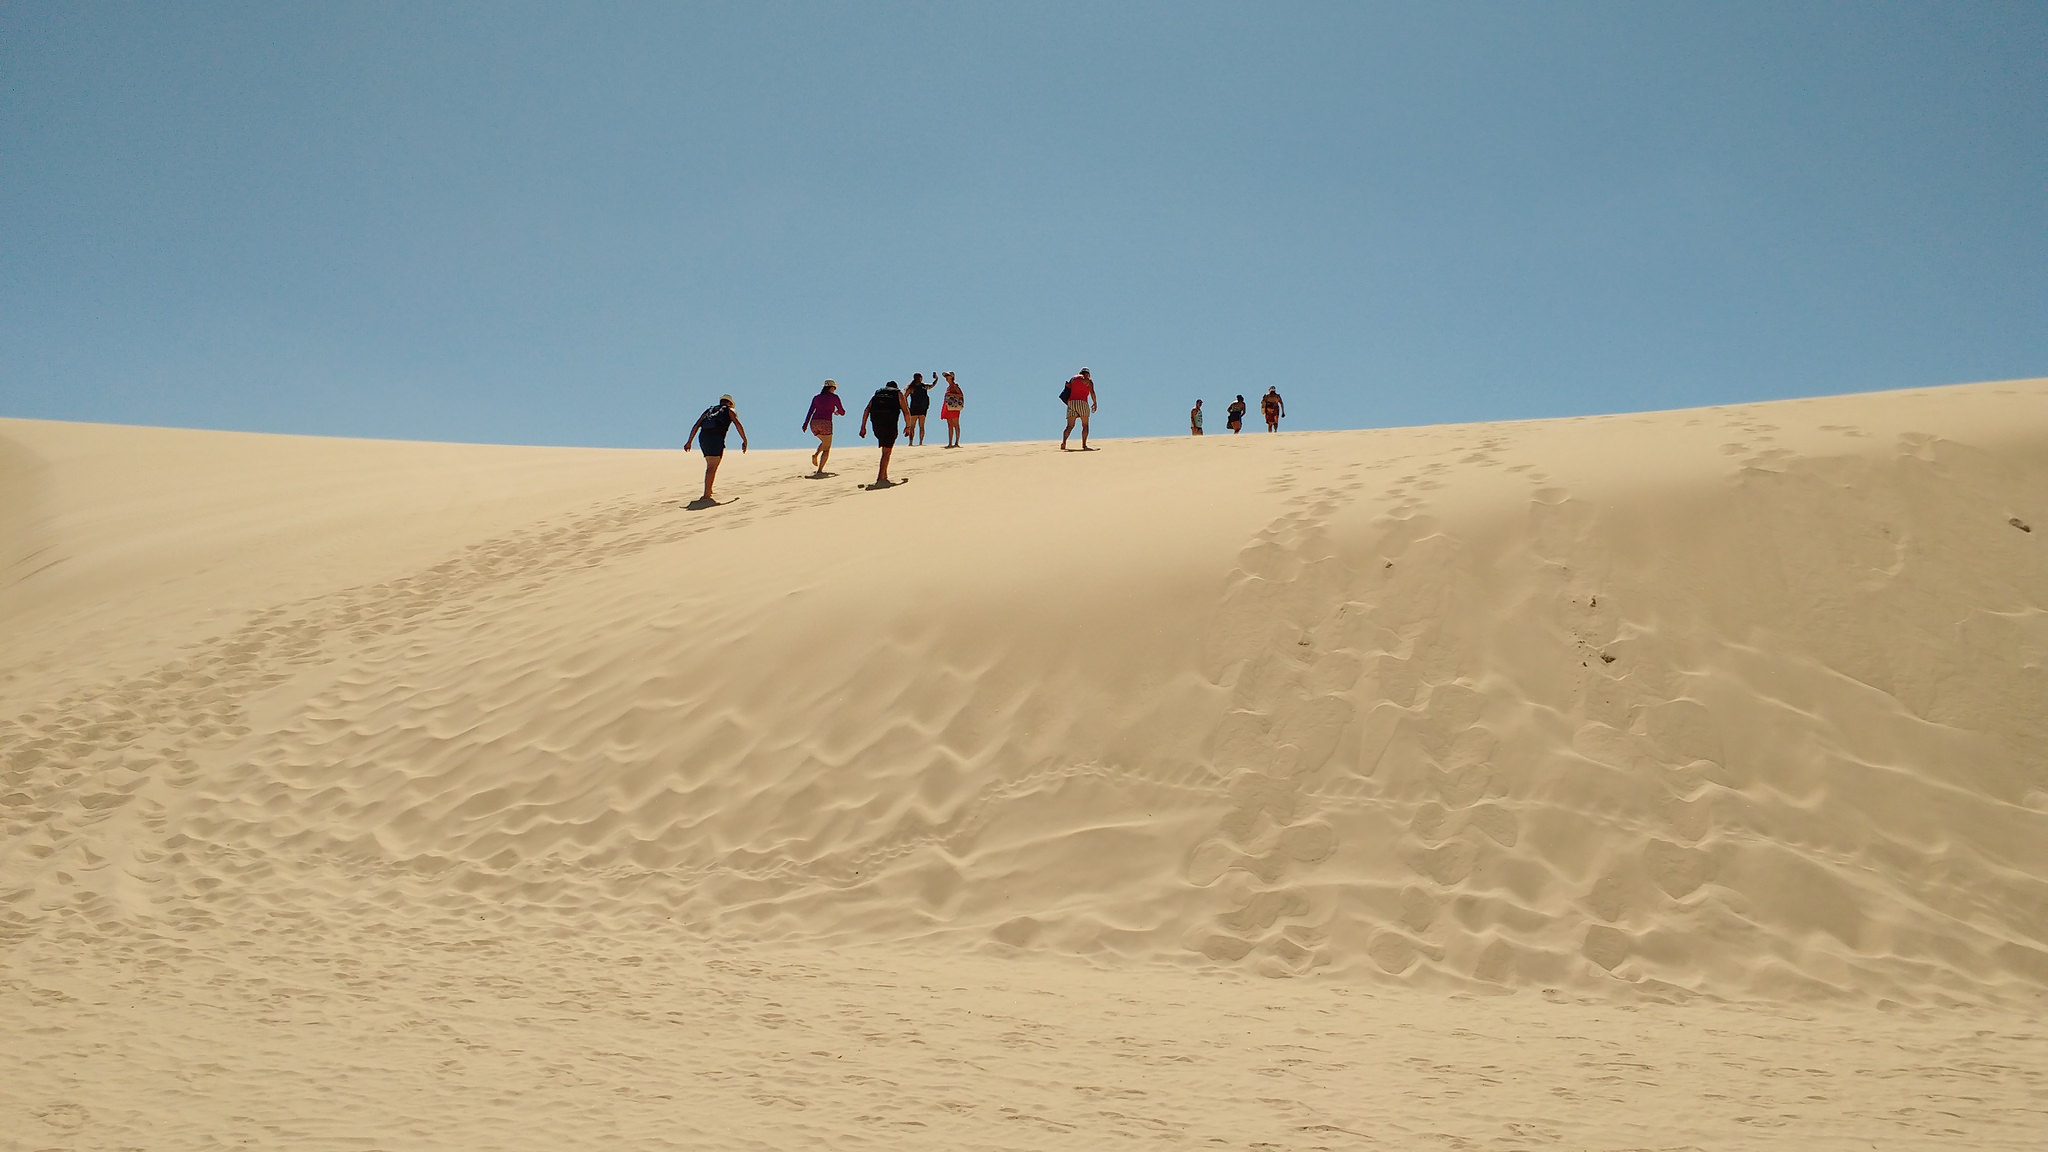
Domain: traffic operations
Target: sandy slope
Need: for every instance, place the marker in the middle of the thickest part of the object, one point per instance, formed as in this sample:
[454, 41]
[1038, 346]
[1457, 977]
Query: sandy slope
[313, 746]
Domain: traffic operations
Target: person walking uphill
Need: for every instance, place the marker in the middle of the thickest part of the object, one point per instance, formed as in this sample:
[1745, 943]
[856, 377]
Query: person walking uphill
[824, 406]
[1080, 397]
[1235, 415]
[1272, 408]
[1195, 419]
[885, 409]
[716, 421]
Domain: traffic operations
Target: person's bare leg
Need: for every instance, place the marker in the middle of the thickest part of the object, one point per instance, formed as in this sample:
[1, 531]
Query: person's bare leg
[1084, 431]
[1068, 432]
[710, 473]
[823, 454]
[882, 477]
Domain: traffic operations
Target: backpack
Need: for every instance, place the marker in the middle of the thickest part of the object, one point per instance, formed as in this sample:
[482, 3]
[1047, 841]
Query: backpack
[883, 405]
[717, 421]
[1066, 393]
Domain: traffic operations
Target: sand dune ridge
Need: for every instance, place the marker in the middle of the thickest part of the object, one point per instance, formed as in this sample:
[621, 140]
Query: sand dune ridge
[1742, 701]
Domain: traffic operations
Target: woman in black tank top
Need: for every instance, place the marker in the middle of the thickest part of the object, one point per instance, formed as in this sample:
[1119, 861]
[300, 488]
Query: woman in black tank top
[919, 394]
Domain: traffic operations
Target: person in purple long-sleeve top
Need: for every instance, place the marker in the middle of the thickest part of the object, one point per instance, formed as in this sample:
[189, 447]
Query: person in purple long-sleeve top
[824, 406]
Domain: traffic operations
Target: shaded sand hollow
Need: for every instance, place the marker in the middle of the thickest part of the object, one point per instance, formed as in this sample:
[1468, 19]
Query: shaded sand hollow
[1675, 780]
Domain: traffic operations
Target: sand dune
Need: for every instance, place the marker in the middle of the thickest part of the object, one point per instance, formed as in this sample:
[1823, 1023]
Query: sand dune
[1739, 705]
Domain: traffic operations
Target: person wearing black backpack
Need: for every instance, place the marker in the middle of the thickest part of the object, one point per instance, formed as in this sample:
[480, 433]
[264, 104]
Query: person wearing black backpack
[886, 410]
[716, 421]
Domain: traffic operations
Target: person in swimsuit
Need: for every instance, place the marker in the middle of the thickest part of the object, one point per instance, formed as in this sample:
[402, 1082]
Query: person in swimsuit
[884, 408]
[949, 410]
[1273, 408]
[1080, 402]
[716, 421]
[1195, 419]
[919, 396]
[824, 406]
[1235, 415]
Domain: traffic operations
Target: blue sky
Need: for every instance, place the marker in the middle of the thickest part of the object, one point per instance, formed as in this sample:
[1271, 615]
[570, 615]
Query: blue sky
[577, 224]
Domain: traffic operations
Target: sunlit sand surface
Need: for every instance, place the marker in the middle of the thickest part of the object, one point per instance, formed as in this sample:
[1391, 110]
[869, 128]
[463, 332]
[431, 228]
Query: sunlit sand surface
[1672, 780]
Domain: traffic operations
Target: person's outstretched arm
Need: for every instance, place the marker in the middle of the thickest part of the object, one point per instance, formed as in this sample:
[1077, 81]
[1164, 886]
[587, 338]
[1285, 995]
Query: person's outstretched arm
[743, 431]
[693, 433]
[863, 423]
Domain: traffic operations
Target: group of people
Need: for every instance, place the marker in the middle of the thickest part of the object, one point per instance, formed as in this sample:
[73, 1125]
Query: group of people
[1270, 406]
[894, 412]
[900, 412]
[889, 409]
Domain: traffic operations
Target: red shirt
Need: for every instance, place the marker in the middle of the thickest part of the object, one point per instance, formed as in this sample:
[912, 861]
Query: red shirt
[1080, 388]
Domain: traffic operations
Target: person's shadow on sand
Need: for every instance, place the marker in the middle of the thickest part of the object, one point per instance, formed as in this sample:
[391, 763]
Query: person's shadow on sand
[701, 503]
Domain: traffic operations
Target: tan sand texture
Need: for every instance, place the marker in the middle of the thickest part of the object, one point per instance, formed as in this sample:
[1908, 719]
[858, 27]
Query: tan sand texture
[1663, 780]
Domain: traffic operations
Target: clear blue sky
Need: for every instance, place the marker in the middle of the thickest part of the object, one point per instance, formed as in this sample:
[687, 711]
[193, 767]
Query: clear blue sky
[577, 224]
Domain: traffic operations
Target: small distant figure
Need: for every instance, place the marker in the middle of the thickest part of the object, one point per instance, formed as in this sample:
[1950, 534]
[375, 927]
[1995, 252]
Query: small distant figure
[1273, 408]
[824, 406]
[1080, 394]
[1235, 414]
[919, 396]
[1195, 419]
[716, 421]
[949, 410]
[885, 408]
